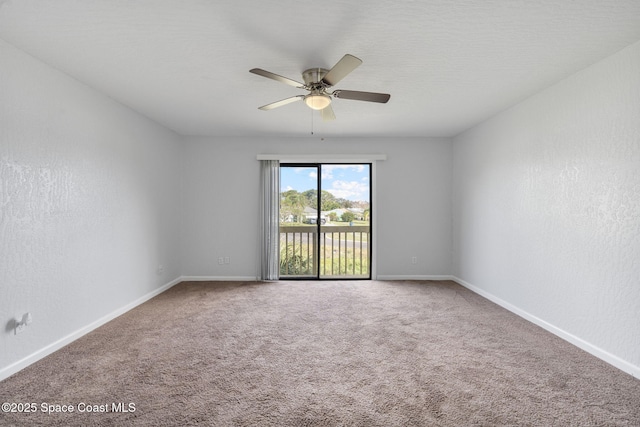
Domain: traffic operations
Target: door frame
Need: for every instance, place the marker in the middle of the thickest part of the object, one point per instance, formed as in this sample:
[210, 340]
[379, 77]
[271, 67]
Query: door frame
[371, 255]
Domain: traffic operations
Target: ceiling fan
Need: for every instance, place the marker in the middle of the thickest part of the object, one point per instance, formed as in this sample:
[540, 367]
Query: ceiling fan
[318, 81]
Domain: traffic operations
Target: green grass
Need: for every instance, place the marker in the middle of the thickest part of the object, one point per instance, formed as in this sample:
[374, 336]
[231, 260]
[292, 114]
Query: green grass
[349, 264]
[300, 262]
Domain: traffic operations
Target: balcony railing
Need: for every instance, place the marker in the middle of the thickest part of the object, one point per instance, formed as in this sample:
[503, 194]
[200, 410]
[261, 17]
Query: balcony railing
[344, 251]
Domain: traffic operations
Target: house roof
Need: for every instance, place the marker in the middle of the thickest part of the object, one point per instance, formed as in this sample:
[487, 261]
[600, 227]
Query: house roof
[447, 64]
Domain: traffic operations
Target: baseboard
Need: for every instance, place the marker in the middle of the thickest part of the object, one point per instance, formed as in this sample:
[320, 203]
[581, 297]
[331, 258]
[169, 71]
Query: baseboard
[584, 345]
[34, 357]
[611, 359]
[414, 277]
[218, 279]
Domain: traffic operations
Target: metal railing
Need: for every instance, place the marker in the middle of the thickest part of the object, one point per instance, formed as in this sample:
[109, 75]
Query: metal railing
[344, 251]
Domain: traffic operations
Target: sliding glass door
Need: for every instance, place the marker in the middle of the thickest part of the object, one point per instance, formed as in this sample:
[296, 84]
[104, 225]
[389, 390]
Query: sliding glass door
[325, 218]
[298, 221]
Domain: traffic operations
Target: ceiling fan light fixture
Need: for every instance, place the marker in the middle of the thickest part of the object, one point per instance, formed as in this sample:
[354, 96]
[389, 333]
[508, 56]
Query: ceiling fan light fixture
[317, 101]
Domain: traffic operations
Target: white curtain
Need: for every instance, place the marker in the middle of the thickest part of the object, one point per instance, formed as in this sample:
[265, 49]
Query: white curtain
[269, 219]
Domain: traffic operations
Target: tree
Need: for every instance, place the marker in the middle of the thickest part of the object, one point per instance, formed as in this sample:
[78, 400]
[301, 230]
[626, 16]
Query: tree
[312, 198]
[348, 216]
[329, 201]
[292, 203]
[344, 203]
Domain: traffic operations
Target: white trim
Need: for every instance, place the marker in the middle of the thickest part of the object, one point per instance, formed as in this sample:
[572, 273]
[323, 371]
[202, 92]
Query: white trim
[414, 277]
[322, 158]
[218, 279]
[623, 365]
[57, 345]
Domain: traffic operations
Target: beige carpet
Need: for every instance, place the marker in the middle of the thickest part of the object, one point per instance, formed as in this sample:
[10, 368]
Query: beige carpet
[347, 353]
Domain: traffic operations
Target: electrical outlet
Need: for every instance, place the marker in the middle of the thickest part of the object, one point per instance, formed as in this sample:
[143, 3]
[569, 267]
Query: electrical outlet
[414, 260]
[220, 260]
[227, 260]
[160, 269]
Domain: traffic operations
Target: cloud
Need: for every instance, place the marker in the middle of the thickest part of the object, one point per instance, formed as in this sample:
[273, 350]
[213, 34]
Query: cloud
[327, 170]
[350, 190]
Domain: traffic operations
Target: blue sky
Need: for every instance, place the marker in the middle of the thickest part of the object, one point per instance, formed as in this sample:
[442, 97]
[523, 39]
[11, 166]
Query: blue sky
[349, 182]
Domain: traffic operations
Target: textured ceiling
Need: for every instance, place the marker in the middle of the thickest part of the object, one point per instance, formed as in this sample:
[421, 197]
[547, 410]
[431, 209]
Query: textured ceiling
[447, 64]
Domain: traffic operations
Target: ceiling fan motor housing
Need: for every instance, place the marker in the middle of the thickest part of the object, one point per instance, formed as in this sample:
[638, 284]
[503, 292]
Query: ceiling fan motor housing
[313, 77]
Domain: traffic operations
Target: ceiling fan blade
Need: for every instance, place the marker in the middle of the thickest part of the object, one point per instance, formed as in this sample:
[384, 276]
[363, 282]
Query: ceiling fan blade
[347, 64]
[281, 102]
[276, 77]
[327, 113]
[362, 96]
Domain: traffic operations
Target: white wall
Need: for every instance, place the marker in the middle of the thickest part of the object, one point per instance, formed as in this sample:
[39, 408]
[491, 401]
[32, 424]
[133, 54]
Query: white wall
[87, 206]
[546, 208]
[221, 202]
